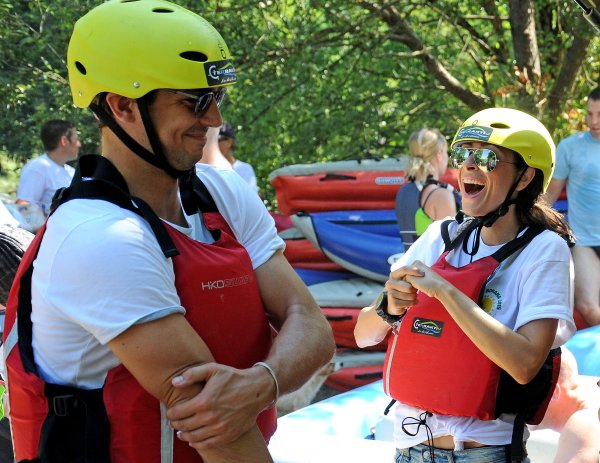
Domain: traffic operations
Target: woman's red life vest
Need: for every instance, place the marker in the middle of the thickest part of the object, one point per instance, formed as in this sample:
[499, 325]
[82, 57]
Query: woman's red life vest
[216, 285]
[431, 364]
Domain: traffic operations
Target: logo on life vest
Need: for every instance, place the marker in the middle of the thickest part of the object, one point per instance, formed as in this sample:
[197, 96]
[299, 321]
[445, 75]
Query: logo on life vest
[427, 327]
[225, 283]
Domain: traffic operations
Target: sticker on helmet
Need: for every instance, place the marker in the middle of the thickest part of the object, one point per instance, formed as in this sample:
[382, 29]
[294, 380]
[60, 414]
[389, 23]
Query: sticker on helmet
[220, 72]
[474, 132]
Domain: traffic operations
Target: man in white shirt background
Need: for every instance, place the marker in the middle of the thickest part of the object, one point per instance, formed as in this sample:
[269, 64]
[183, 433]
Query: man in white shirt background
[42, 176]
[227, 147]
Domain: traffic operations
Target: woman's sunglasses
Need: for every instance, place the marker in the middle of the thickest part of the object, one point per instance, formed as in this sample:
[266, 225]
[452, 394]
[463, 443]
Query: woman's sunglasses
[484, 158]
[203, 99]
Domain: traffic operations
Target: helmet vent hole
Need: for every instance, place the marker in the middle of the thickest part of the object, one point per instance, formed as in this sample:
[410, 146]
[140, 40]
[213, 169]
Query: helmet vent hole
[162, 10]
[194, 56]
[129, 1]
[80, 67]
[499, 125]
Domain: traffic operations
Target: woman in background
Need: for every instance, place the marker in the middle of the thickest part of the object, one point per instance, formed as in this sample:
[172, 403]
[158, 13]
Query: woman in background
[424, 198]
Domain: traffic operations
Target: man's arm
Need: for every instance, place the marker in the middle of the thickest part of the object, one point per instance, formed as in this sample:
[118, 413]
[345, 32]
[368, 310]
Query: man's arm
[155, 353]
[304, 343]
[554, 188]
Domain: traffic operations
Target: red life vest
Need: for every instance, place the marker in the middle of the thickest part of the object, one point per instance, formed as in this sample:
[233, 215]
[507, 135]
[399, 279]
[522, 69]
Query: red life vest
[211, 281]
[430, 347]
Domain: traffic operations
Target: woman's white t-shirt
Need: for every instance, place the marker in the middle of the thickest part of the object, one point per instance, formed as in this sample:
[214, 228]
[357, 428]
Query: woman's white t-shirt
[533, 284]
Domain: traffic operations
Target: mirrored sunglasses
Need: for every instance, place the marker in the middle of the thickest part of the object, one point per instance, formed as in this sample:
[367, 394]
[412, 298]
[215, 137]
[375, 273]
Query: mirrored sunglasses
[484, 158]
[203, 99]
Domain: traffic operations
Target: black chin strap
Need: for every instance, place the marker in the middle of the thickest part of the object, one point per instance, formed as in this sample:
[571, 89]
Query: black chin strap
[489, 219]
[157, 159]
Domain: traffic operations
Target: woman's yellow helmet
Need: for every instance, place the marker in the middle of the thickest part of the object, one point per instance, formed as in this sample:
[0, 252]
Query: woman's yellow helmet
[133, 47]
[515, 130]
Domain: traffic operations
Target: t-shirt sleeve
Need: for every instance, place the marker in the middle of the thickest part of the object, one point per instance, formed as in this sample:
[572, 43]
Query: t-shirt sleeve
[547, 285]
[120, 277]
[31, 184]
[561, 170]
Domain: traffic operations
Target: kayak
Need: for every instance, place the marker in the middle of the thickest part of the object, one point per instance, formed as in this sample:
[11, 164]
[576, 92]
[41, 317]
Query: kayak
[361, 252]
[342, 185]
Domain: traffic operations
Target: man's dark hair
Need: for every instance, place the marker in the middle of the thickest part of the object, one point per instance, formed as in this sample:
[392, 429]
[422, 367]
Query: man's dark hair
[53, 130]
[594, 94]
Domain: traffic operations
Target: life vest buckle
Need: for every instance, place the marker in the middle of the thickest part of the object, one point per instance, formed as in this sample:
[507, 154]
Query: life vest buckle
[64, 405]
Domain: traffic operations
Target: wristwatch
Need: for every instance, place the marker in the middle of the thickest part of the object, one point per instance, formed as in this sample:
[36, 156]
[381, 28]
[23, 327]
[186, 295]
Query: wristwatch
[381, 305]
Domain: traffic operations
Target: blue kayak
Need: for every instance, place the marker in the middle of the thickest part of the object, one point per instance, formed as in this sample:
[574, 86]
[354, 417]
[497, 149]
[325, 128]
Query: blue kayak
[360, 243]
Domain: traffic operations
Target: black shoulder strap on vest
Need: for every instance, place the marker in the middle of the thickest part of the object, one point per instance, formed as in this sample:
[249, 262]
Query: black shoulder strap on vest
[97, 178]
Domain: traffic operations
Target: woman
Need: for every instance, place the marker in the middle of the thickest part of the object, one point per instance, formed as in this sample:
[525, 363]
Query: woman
[425, 199]
[471, 339]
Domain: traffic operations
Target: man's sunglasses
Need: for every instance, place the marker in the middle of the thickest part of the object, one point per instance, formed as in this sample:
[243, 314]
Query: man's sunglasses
[203, 99]
[484, 158]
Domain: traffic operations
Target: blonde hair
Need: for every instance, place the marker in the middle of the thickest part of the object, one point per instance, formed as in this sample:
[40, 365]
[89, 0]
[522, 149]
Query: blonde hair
[423, 145]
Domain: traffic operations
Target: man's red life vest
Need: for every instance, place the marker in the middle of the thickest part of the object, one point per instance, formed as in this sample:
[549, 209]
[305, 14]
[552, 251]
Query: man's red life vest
[430, 347]
[216, 285]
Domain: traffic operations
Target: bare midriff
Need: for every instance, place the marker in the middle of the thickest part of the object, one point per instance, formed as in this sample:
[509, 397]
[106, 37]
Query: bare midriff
[447, 443]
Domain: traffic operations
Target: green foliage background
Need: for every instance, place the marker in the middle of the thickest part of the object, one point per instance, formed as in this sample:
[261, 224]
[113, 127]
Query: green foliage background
[319, 80]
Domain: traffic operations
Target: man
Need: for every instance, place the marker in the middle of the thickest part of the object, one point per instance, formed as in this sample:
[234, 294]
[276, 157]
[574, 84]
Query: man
[41, 177]
[573, 412]
[129, 290]
[578, 165]
[227, 146]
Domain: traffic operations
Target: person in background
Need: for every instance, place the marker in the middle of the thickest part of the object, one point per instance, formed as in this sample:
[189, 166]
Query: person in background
[573, 412]
[148, 274]
[424, 198]
[578, 166]
[42, 176]
[227, 147]
[211, 154]
[479, 304]
[14, 242]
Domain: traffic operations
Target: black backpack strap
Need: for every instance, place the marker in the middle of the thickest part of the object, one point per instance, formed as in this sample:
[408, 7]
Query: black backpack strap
[513, 246]
[517, 449]
[97, 178]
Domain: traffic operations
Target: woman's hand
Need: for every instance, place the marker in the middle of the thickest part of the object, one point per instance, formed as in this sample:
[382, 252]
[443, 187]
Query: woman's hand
[406, 281]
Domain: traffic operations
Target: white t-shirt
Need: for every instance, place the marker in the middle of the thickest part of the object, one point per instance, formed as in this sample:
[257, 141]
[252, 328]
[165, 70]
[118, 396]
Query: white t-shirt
[40, 178]
[246, 171]
[100, 270]
[536, 283]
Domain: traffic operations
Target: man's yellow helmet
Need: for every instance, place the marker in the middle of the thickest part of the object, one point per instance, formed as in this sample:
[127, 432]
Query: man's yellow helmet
[131, 47]
[515, 130]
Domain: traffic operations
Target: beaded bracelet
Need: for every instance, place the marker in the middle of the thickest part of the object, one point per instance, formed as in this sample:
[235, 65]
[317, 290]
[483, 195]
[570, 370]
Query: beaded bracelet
[272, 373]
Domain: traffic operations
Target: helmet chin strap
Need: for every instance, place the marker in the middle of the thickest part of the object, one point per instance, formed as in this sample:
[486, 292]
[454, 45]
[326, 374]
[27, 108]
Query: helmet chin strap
[490, 218]
[156, 158]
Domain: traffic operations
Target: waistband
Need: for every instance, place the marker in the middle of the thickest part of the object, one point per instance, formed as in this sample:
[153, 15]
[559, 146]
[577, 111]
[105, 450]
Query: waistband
[422, 452]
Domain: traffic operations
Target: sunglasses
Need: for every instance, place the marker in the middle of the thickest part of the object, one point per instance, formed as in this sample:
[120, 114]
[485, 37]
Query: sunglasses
[203, 99]
[484, 158]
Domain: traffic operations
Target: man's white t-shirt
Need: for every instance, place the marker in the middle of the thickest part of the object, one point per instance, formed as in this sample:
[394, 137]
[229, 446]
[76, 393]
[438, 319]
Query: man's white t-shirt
[40, 178]
[536, 283]
[100, 270]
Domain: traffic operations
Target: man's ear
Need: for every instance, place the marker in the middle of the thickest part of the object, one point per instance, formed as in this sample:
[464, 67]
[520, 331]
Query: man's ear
[123, 109]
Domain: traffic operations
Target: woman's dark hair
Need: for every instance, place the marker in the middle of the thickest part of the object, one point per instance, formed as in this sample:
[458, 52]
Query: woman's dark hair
[531, 209]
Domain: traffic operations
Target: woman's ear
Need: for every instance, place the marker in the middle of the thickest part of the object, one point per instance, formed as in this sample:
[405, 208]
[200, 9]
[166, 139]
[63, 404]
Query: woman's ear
[123, 109]
[526, 178]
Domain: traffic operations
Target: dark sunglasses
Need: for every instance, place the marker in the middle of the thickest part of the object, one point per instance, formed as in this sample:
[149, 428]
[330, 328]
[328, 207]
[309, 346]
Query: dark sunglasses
[203, 99]
[484, 158]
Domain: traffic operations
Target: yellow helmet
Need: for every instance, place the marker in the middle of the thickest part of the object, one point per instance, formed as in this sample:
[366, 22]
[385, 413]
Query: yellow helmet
[515, 130]
[133, 47]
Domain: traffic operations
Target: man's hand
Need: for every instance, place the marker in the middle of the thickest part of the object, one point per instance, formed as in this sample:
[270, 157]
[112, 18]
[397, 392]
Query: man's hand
[226, 408]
